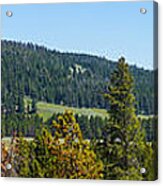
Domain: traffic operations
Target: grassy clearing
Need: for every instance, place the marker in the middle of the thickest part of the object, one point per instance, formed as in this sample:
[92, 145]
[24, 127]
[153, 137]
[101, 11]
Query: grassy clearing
[46, 110]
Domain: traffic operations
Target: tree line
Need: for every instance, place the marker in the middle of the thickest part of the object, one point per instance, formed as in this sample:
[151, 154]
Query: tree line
[91, 126]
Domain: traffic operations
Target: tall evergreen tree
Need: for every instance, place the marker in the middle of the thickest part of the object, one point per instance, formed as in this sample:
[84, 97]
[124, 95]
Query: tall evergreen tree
[34, 101]
[33, 106]
[124, 150]
[74, 156]
[21, 103]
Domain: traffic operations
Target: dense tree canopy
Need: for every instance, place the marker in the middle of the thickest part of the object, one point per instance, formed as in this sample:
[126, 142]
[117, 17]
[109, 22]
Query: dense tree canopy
[63, 78]
[114, 146]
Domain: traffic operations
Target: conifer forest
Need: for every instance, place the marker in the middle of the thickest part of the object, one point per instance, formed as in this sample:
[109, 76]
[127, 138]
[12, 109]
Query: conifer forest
[76, 116]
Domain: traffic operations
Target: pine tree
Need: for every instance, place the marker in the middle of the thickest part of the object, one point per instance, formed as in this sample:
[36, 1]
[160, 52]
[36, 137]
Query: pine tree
[22, 157]
[20, 104]
[21, 101]
[34, 101]
[33, 106]
[75, 159]
[43, 163]
[124, 150]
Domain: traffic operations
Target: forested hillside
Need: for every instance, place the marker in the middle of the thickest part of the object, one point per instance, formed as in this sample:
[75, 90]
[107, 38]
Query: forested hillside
[75, 146]
[76, 80]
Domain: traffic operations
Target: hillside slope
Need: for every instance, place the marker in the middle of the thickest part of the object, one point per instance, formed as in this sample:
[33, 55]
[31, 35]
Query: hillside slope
[75, 80]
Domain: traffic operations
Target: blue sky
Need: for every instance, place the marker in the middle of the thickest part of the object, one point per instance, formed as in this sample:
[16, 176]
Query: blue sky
[108, 29]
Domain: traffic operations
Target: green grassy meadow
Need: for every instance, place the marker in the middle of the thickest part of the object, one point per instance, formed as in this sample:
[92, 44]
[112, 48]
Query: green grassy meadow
[46, 110]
